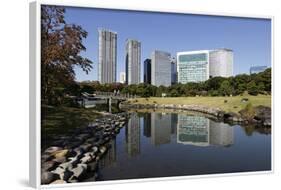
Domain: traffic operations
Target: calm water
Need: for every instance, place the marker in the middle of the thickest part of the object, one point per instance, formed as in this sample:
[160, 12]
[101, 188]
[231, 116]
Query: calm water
[170, 144]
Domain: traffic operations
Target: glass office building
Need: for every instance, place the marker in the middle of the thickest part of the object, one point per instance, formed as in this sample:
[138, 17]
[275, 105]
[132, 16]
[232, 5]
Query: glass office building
[173, 70]
[147, 71]
[122, 77]
[160, 68]
[257, 69]
[107, 56]
[133, 61]
[221, 63]
[193, 66]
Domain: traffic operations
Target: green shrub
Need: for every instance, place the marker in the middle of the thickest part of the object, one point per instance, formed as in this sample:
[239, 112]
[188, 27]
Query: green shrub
[253, 88]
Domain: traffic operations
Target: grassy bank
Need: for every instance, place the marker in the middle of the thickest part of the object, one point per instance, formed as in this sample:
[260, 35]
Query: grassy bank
[228, 104]
[62, 120]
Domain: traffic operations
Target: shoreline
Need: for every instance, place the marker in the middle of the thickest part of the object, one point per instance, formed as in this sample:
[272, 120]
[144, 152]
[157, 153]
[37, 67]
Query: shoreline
[262, 116]
[75, 158]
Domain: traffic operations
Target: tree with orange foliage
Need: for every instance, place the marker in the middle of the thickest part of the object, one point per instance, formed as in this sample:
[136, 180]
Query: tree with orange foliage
[61, 45]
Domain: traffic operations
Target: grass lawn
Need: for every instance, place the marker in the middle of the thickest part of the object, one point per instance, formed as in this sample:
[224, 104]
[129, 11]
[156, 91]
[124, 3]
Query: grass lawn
[233, 103]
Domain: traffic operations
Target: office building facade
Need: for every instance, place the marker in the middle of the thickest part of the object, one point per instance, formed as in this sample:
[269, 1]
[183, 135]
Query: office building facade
[107, 56]
[199, 66]
[221, 63]
[160, 68]
[173, 70]
[147, 71]
[257, 69]
[122, 77]
[193, 66]
[133, 61]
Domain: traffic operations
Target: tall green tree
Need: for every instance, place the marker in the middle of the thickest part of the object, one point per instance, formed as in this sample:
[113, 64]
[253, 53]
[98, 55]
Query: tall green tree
[225, 88]
[214, 83]
[61, 45]
[253, 88]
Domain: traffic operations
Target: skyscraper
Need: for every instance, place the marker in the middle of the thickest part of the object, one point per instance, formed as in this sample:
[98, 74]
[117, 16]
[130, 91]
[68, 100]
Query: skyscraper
[221, 63]
[133, 61]
[193, 66]
[160, 68]
[107, 56]
[147, 71]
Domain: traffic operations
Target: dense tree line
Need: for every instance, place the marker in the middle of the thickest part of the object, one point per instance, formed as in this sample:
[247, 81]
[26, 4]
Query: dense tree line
[254, 84]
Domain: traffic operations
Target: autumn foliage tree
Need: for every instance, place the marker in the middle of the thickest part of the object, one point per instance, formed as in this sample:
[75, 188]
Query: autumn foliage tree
[61, 45]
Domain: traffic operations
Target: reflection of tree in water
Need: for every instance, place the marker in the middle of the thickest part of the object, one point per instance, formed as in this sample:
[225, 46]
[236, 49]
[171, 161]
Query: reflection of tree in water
[250, 129]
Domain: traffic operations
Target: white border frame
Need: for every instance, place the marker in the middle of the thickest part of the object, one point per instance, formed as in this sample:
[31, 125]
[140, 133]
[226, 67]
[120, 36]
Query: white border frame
[35, 92]
[35, 95]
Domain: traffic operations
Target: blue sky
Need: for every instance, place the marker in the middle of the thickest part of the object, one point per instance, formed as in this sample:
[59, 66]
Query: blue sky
[249, 38]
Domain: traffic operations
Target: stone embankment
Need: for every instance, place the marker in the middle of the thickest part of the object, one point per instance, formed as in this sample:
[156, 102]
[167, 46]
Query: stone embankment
[72, 159]
[261, 115]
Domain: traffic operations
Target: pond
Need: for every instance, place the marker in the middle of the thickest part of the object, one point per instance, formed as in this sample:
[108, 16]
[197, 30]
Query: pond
[156, 144]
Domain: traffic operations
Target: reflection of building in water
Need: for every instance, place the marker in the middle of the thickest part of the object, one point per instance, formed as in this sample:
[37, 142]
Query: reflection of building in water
[133, 135]
[174, 122]
[110, 157]
[146, 125]
[201, 131]
[221, 134]
[193, 130]
[160, 128]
